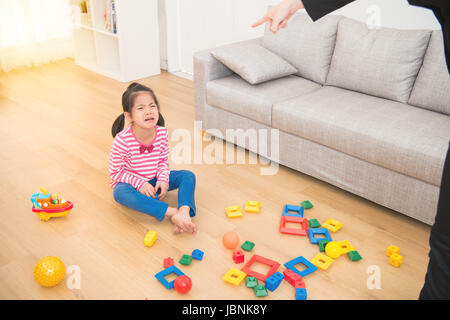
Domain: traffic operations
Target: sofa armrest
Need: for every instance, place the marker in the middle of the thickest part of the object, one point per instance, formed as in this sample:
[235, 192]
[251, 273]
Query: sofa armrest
[207, 68]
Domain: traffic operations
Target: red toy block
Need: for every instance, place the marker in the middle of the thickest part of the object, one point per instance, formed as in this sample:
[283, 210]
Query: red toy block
[168, 262]
[293, 278]
[256, 258]
[300, 232]
[238, 256]
[299, 284]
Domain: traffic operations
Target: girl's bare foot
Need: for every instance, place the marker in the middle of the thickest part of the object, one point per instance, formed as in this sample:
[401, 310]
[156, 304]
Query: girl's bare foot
[181, 219]
[177, 229]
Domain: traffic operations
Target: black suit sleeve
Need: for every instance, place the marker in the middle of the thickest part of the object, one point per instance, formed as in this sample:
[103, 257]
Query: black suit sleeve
[316, 9]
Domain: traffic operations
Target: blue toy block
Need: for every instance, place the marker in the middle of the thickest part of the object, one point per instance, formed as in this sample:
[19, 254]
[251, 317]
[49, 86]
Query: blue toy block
[274, 281]
[197, 254]
[310, 268]
[160, 276]
[287, 209]
[300, 294]
[312, 235]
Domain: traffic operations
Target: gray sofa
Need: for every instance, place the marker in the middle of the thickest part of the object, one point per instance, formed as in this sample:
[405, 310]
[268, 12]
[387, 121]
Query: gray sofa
[367, 111]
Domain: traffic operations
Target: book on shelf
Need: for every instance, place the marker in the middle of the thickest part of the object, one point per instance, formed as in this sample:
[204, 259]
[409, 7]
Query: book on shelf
[110, 16]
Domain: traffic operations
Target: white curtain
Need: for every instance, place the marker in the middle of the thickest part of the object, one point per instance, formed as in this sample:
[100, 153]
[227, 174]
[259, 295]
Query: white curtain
[34, 32]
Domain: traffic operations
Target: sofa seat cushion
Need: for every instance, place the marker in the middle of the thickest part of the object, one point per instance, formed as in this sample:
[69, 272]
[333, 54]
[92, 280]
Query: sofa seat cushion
[393, 135]
[236, 95]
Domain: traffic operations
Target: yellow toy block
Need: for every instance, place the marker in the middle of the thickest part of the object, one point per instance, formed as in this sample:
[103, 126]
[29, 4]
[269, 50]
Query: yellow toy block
[233, 211]
[396, 260]
[234, 276]
[332, 225]
[345, 246]
[322, 261]
[392, 249]
[252, 206]
[150, 238]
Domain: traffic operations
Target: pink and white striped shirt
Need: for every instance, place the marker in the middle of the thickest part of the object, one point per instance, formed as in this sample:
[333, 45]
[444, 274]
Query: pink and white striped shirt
[127, 164]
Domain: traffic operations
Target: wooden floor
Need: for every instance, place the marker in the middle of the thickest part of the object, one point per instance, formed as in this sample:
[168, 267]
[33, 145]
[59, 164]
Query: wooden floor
[55, 124]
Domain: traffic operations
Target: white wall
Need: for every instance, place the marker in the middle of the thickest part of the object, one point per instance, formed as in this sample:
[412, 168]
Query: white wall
[194, 25]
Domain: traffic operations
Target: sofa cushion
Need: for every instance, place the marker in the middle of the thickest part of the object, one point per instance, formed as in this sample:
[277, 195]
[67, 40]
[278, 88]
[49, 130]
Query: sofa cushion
[236, 95]
[253, 62]
[393, 135]
[432, 87]
[381, 62]
[305, 44]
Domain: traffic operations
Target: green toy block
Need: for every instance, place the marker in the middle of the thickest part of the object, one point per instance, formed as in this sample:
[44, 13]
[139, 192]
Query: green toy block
[260, 290]
[314, 223]
[186, 259]
[306, 204]
[322, 243]
[248, 245]
[354, 255]
[251, 282]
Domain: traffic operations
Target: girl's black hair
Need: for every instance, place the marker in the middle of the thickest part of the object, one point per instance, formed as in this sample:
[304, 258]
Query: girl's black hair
[127, 104]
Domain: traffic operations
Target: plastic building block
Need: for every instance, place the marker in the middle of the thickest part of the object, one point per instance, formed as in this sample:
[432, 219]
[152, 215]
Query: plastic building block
[332, 225]
[251, 282]
[354, 255]
[234, 276]
[248, 245]
[345, 246]
[396, 260]
[322, 261]
[238, 256]
[288, 209]
[260, 290]
[392, 249]
[299, 232]
[322, 243]
[197, 254]
[150, 238]
[306, 204]
[185, 259]
[300, 294]
[233, 211]
[312, 232]
[293, 278]
[160, 276]
[274, 281]
[310, 268]
[256, 258]
[168, 262]
[314, 223]
[252, 206]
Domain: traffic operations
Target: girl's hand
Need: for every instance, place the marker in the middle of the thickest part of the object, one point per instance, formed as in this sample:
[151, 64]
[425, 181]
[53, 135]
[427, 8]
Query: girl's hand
[148, 190]
[279, 15]
[164, 187]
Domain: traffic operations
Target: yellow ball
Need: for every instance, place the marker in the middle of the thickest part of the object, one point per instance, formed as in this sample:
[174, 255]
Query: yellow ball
[49, 271]
[333, 250]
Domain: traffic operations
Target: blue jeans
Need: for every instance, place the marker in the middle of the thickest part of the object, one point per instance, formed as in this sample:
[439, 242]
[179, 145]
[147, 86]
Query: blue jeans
[184, 180]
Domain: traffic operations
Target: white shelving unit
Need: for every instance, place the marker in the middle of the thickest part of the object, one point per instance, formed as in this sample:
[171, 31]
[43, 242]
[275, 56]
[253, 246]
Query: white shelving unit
[132, 52]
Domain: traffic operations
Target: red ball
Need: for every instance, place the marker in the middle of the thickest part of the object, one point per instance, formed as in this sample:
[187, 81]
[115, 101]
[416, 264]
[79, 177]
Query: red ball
[183, 284]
